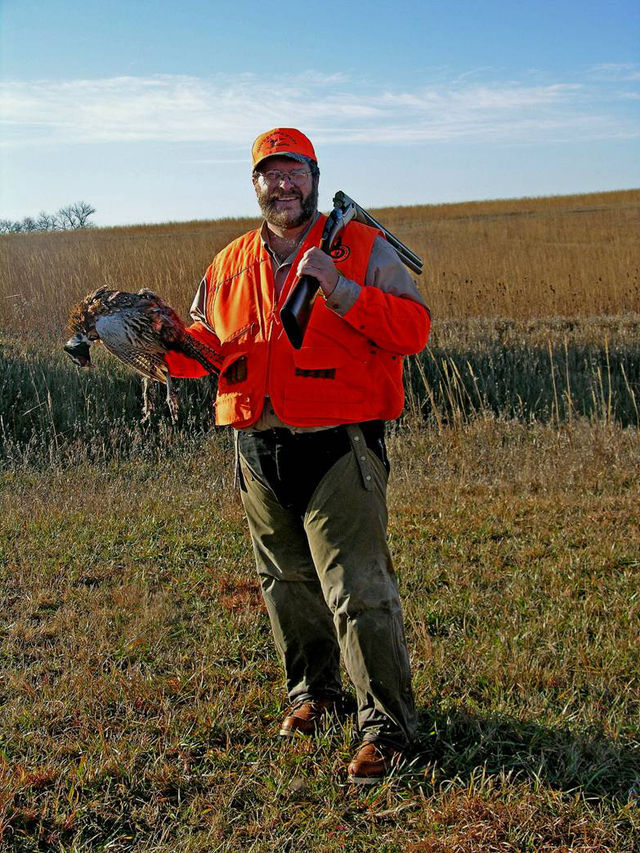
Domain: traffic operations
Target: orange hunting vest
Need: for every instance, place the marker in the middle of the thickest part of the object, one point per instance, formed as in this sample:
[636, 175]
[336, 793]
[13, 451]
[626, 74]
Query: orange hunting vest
[338, 375]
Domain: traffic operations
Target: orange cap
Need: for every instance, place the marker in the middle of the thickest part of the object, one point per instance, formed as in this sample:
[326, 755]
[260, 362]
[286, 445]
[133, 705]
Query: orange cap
[283, 142]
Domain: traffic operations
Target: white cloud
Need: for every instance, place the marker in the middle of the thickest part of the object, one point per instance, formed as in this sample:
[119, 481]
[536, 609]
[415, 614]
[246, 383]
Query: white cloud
[230, 110]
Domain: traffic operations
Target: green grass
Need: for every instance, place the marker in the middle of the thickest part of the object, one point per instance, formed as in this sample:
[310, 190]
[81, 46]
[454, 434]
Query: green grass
[141, 694]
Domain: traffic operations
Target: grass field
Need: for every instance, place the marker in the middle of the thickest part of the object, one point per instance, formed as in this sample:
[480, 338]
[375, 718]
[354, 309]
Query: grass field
[566, 256]
[139, 688]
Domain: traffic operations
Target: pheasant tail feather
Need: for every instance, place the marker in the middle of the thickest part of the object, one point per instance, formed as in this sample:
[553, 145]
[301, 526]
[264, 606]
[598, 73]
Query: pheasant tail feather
[204, 355]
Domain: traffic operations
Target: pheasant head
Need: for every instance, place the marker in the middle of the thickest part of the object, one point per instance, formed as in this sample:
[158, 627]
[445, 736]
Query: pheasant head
[82, 326]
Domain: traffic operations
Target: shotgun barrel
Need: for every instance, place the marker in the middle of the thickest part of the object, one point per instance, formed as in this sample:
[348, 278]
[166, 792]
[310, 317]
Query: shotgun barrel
[296, 311]
[408, 258]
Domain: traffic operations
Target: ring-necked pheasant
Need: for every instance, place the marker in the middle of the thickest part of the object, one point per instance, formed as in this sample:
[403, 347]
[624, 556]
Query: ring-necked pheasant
[138, 328]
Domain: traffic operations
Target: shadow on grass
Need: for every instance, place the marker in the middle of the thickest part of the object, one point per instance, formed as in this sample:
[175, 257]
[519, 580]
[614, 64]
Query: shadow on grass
[459, 742]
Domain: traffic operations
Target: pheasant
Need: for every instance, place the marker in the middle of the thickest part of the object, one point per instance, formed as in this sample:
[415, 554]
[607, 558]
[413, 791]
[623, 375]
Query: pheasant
[138, 328]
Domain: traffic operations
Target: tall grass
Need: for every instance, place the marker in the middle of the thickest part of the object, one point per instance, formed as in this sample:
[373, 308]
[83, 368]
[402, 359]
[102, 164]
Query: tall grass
[545, 370]
[559, 256]
[50, 411]
[43, 275]
[548, 371]
[535, 302]
[568, 256]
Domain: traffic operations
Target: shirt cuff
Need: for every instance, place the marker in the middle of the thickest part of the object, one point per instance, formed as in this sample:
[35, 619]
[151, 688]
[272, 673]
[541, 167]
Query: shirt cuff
[343, 296]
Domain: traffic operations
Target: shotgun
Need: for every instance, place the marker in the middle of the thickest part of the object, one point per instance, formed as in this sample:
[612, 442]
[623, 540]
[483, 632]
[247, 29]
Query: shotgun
[296, 311]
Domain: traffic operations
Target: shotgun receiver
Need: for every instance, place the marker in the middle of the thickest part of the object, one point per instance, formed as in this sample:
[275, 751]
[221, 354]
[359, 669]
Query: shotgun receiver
[296, 311]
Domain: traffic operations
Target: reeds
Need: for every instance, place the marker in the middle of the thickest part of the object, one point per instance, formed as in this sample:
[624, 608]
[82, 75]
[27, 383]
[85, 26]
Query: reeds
[547, 371]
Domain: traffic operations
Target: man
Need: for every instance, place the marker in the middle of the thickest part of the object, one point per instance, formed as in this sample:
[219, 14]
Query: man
[310, 441]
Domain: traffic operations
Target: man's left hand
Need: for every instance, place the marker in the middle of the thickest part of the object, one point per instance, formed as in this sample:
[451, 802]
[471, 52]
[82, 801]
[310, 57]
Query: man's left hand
[319, 265]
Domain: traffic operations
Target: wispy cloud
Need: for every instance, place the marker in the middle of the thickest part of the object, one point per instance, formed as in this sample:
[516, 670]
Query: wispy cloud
[619, 71]
[334, 108]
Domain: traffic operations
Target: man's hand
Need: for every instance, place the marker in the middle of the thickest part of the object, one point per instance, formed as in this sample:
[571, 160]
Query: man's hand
[319, 265]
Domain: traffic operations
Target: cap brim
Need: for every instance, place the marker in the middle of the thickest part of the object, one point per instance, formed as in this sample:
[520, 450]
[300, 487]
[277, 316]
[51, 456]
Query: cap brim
[292, 156]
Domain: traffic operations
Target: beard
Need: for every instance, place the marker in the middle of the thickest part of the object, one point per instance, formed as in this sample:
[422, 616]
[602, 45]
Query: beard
[288, 218]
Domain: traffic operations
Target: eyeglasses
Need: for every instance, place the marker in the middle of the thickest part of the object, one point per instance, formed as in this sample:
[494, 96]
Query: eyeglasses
[275, 176]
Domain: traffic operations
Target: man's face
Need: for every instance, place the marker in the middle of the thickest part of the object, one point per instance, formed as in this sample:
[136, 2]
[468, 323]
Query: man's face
[286, 203]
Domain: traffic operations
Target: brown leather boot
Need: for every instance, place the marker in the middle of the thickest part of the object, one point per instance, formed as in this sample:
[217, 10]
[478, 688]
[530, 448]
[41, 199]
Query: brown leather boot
[373, 761]
[307, 717]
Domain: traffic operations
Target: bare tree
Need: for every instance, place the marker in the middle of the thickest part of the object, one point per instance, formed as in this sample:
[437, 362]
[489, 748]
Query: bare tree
[74, 215]
[67, 217]
[82, 210]
[47, 221]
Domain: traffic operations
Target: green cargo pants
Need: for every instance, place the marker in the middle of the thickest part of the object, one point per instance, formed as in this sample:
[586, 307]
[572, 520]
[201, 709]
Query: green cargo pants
[329, 585]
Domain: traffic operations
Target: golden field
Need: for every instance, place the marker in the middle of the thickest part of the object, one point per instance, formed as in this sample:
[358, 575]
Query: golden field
[535, 306]
[139, 688]
[571, 256]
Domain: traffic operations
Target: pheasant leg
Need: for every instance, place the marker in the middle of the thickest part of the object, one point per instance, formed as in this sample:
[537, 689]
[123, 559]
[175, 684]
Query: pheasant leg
[147, 400]
[172, 400]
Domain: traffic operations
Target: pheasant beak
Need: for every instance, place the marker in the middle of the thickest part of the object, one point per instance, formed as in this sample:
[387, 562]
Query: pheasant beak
[77, 348]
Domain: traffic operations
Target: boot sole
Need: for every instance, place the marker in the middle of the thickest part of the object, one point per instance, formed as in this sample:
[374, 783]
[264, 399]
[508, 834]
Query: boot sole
[295, 733]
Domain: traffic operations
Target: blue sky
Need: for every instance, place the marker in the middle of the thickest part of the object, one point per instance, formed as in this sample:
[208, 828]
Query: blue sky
[148, 109]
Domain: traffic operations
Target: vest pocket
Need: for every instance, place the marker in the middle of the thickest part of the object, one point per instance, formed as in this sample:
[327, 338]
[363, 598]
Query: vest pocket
[232, 407]
[323, 384]
[235, 372]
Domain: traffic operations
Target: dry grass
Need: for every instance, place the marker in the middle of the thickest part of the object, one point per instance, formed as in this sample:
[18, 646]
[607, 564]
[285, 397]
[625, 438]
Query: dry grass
[524, 258]
[512, 336]
[45, 274]
[568, 256]
[138, 684]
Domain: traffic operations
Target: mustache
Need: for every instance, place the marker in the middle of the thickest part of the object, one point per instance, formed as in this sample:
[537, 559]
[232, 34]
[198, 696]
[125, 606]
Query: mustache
[275, 196]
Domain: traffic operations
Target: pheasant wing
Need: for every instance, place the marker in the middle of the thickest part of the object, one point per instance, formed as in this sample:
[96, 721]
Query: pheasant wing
[130, 337]
[147, 362]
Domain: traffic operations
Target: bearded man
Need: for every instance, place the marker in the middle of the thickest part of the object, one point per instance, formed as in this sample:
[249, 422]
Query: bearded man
[310, 439]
